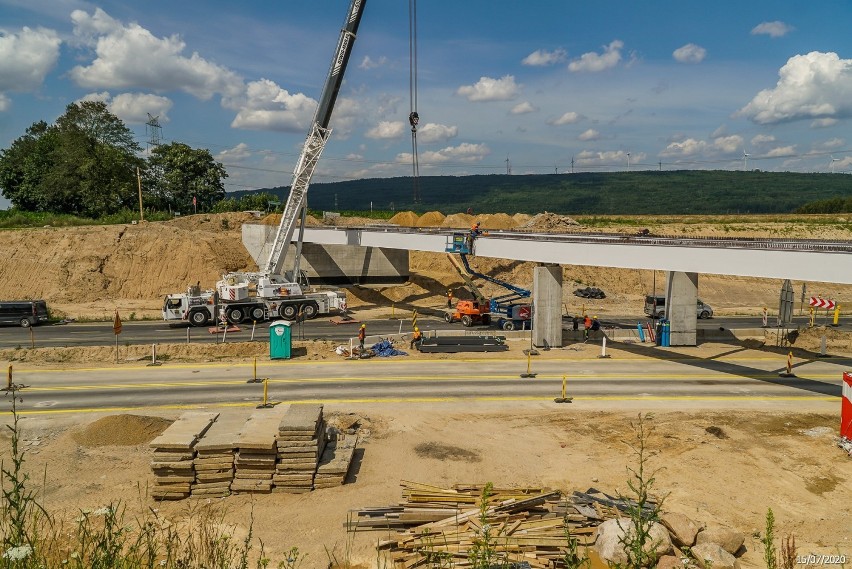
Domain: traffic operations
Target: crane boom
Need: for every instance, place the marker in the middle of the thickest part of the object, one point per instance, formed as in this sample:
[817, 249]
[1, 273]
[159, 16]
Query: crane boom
[314, 144]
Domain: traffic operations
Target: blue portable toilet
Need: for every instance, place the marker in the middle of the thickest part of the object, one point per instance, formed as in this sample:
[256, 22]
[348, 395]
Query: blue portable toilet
[280, 340]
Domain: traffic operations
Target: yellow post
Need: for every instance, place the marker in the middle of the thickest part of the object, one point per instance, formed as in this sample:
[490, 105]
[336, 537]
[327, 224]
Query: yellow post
[563, 387]
[790, 363]
[811, 317]
[393, 310]
[836, 315]
[265, 391]
[255, 368]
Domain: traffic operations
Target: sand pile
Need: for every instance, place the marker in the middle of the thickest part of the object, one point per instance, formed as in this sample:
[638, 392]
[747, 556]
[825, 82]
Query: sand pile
[275, 219]
[431, 219]
[122, 430]
[549, 222]
[459, 220]
[405, 219]
[496, 221]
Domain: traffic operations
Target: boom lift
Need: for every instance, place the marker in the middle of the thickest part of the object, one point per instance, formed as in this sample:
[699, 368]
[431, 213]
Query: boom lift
[505, 310]
[277, 293]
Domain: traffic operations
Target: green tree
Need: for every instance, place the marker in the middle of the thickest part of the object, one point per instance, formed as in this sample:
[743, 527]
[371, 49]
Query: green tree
[177, 173]
[84, 164]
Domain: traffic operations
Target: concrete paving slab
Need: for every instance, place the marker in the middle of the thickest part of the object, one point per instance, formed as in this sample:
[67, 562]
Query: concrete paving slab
[185, 431]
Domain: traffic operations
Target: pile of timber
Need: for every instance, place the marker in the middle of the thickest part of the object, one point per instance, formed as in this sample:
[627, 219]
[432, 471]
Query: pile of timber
[214, 457]
[174, 454]
[528, 527]
[454, 344]
[335, 461]
[257, 452]
[300, 443]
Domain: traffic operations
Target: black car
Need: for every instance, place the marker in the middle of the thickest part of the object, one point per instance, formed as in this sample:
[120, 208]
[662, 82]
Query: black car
[23, 313]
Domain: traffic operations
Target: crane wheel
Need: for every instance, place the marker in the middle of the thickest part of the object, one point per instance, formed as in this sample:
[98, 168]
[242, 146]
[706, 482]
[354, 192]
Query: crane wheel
[467, 321]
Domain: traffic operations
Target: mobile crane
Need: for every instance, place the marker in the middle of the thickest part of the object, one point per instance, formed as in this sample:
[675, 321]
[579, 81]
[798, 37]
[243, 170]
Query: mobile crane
[278, 294]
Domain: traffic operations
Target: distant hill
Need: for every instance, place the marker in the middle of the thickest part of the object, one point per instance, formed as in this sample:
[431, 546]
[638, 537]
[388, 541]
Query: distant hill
[643, 192]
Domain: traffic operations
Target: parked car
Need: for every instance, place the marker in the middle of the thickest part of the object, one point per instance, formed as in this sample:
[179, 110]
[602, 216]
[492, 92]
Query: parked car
[655, 307]
[24, 313]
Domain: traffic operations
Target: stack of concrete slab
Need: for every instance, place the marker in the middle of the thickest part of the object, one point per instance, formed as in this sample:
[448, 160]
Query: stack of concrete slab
[335, 461]
[257, 452]
[174, 453]
[214, 457]
[301, 440]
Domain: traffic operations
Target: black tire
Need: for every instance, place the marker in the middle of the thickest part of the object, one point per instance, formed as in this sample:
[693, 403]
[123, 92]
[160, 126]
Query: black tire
[448, 317]
[235, 315]
[704, 315]
[26, 322]
[508, 325]
[310, 310]
[198, 318]
[258, 314]
[288, 311]
[486, 319]
[467, 321]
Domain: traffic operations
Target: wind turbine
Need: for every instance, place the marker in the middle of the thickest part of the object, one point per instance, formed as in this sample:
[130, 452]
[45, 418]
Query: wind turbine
[745, 160]
[831, 164]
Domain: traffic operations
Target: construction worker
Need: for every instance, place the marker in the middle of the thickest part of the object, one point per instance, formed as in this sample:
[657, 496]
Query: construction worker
[595, 324]
[416, 339]
[362, 333]
[575, 323]
[475, 231]
[587, 325]
[449, 298]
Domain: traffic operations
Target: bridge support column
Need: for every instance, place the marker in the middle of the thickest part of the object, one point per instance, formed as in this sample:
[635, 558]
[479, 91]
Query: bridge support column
[547, 306]
[681, 301]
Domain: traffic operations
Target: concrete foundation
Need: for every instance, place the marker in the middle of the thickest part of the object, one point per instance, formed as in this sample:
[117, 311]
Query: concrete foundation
[681, 301]
[547, 307]
[333, 264]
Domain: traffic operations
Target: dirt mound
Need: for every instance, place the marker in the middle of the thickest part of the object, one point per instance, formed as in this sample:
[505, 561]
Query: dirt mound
[122, 430]
[458, 220]
[431, 219]
[275, 219]
[496, 221]
[549, 222]
[405, 219]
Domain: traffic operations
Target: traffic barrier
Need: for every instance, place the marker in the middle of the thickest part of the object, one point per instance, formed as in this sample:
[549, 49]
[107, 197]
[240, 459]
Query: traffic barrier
[845, 408]
[641, 332]
[789, 369]
[563, 398]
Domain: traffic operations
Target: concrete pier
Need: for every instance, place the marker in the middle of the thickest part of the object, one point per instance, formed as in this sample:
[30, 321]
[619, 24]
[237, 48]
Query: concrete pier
[547, 306]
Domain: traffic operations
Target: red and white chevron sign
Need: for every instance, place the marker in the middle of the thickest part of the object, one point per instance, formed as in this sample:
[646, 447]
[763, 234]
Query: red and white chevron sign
[822, 303]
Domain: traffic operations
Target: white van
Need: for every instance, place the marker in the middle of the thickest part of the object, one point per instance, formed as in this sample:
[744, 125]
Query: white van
[655, 307]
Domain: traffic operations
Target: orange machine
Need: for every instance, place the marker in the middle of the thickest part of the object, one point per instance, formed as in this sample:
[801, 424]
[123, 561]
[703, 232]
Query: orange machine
[470, 312]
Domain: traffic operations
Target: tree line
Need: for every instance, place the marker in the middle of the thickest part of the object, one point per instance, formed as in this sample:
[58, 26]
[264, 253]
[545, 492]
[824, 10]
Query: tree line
[88, 164]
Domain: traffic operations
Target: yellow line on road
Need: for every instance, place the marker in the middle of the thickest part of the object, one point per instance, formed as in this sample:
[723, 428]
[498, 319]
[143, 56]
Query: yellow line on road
[508, 399]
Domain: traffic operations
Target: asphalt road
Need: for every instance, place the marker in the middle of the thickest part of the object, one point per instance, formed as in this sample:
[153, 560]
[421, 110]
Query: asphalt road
[630, 376]
[149, 332]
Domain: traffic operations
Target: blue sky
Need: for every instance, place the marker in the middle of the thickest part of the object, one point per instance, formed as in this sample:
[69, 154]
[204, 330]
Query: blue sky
[610, 85]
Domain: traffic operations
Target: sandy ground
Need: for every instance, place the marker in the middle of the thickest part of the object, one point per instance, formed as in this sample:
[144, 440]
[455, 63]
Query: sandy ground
[775, 456]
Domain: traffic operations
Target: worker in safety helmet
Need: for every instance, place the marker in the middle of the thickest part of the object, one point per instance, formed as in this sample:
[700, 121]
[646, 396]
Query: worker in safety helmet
[416, 339]
[362, 333]
[595, 324]
[475, 230]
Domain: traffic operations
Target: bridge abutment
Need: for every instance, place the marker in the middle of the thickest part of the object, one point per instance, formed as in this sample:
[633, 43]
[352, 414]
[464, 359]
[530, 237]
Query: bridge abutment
[681, 307]
[547, 306]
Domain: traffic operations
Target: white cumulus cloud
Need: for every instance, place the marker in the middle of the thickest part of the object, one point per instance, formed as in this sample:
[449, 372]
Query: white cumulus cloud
[593, 62]
[129, 56]
[774, 29]
[523, 108]
[465, 152]
[813, 86]
[238, 153]
[5, 103]
[728, 144]
[684, 148]
[434, 132]
[133, 108]
[489, 89]
[542, 57]
[590, 134]
[26, 58]
[823, 123]
[762, 139]
[386, 130]
[567, 118]
[690, 53]
[269, 107]
[370, 63]
[782, 151]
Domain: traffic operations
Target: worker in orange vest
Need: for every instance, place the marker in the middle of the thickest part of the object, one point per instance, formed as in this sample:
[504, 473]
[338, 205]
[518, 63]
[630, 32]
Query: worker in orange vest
[587, 325]
[416, 338]
[449, 298]
[362, 333]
